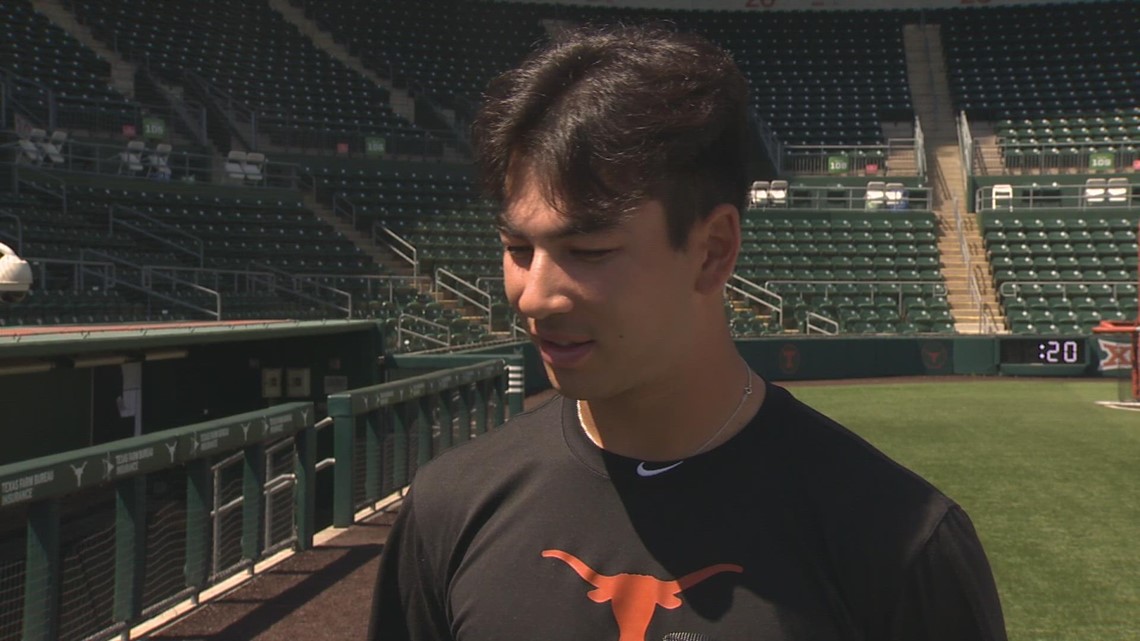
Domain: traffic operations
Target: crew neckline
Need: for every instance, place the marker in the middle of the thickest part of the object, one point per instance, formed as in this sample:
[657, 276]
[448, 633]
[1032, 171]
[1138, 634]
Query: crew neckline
[604, 463]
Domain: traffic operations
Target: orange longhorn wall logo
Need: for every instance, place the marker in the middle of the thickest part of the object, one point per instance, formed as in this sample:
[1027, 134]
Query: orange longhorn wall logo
[635, 597]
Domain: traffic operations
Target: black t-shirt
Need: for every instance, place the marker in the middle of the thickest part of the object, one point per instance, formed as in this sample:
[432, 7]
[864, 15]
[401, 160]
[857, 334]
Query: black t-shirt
[794, 529]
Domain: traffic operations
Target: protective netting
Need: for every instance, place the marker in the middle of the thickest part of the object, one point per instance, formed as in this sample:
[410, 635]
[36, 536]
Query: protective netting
[414, 423]
[164, 578]
[227, 530]
[87, 564]
[280, 484]
[12, 566]
[387, 455]
[360, 463]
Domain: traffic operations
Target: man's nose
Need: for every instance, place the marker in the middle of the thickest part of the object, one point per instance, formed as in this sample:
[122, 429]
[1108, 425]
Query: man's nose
[544, 288]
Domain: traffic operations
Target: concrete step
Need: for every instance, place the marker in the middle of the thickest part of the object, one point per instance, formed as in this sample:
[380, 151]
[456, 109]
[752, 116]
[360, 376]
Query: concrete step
[928, 80]
[400, 101]
[122, 77]
[380, 256]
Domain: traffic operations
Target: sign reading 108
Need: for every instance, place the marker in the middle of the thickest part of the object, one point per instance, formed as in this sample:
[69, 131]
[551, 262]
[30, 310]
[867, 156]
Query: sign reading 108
[1058, 351]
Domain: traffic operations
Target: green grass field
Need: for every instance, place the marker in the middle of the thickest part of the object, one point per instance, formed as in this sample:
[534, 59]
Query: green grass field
[1051, 481]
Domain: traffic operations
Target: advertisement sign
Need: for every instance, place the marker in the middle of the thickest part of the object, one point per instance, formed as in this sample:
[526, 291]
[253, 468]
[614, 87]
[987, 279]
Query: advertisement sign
[838, 164]
[1102, 160]
[374, 146]
[154, 127]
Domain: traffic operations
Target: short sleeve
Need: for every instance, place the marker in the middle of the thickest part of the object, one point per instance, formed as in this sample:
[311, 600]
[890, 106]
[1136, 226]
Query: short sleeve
[949, 593]
[408, 603]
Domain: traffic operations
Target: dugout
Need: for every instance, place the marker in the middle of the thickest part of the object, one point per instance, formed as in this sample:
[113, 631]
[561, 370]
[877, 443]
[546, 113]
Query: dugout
[64, 388]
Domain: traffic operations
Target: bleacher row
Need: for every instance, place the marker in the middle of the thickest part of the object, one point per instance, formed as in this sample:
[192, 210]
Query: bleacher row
[869, 274]
[1042, 60]
[818, 78]
[1064, 273]
[250, 52]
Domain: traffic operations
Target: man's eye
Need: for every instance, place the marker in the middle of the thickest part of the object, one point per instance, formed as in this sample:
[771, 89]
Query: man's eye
[592, 254]
[517, 251]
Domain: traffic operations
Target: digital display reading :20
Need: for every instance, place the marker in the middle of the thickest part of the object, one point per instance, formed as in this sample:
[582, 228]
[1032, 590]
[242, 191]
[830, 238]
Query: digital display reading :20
[1043, 351]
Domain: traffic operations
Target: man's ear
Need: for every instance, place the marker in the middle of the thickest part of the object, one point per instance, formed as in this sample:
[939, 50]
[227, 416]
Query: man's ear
[718, 238]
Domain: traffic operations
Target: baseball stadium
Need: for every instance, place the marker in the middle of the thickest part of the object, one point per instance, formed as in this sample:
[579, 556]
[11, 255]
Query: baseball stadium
[249, 284]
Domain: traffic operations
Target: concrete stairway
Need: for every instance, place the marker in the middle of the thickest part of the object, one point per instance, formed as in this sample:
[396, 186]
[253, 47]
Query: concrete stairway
[401, 102]
[901, 160]
[381, 255]
[926, 74]
[122, 72]
[990, 159]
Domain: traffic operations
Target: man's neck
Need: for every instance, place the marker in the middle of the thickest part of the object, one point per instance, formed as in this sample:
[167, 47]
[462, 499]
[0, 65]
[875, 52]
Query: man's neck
[677, 416]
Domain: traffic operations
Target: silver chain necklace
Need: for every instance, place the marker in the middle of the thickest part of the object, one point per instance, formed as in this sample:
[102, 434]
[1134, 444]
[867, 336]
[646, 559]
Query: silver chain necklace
[703, 446]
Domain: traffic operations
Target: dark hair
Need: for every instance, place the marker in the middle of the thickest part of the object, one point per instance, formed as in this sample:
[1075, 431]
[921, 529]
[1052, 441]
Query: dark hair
[607, 118]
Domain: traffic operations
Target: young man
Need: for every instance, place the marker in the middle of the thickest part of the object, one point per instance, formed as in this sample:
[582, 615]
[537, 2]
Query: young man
[667, 491]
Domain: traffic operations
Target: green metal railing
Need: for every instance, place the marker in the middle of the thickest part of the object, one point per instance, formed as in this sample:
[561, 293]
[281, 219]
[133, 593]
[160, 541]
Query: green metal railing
[35, 490]
[95, 541]
[405, 424]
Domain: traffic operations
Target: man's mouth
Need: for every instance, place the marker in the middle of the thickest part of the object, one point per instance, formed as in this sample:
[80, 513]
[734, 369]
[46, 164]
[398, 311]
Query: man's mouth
[561, 352]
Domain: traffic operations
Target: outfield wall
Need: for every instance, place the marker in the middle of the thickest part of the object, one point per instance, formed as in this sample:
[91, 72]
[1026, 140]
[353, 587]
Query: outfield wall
[836, 357]
[227, 371]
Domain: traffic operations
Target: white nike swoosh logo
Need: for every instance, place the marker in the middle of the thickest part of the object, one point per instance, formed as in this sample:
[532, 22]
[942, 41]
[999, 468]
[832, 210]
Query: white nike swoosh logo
[645, 472]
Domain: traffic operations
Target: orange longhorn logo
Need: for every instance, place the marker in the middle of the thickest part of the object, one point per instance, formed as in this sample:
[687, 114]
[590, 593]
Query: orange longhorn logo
[635, 597]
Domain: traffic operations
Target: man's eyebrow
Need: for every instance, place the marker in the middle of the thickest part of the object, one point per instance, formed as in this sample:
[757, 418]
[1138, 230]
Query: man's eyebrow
[567, 230]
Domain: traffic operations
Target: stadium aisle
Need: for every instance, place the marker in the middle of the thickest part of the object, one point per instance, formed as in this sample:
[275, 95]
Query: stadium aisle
[323, 593]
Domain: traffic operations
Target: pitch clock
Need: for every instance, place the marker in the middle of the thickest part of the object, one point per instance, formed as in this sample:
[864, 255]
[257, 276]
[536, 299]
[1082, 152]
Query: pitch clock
[1026, 350]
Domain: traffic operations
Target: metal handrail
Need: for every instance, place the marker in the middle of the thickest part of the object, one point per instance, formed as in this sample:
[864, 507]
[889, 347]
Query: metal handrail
[18, 180]
[809, 326]
[217, 311]
[389, 280]
[960, 227]
[401, 330]
[200, 254]
[412, 257]
[80, 268]
[975, 294]
[1030, 195]
[343, 207]
[812, 159]
[487, 279]
[142, 285]
[987, 321]
[251, 275]
[845, 197]
[271, 280]
[745, 285]
[301, 280]
[441, 274]
[972, 271]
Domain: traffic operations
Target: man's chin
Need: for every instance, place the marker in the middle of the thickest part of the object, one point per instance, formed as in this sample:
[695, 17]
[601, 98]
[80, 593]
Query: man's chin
[566, 383]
